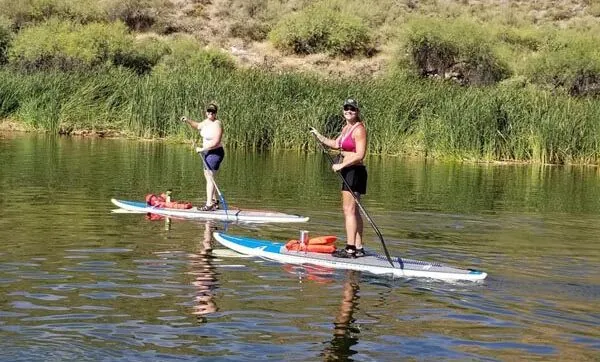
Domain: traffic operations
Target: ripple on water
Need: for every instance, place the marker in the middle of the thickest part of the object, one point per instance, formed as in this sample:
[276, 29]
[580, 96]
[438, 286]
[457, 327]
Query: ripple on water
[85, 284]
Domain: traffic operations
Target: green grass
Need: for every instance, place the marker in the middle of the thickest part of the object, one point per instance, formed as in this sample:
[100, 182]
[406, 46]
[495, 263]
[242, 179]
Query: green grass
[532, 72]
[404, 115]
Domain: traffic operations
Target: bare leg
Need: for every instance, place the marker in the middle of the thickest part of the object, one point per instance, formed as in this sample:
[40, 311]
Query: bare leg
[210, 186]
[359, 226]
[351, 219]
[214, 192]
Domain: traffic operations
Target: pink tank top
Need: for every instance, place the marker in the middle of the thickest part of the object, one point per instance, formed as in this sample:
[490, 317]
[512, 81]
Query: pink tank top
[345, 142]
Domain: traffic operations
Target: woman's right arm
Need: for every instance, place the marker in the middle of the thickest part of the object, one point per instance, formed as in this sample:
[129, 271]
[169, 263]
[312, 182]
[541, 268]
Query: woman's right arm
[331, 143]
[191, 122]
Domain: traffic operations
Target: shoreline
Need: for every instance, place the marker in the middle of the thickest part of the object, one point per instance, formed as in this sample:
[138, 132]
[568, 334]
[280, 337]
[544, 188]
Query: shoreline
[9, 126]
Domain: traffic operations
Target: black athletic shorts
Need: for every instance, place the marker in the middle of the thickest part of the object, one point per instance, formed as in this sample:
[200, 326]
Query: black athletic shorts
[356, 178]
[214, 158]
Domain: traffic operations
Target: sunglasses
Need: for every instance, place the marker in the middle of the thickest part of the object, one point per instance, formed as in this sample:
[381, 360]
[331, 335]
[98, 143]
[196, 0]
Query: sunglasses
[350, 108]
[211, 111]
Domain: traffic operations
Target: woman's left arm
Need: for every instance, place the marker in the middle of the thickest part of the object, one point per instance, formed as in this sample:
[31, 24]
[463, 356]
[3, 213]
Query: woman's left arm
[351, 158]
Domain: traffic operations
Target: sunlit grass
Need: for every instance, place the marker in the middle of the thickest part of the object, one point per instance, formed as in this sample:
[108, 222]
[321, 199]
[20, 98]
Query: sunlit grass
[403, 114]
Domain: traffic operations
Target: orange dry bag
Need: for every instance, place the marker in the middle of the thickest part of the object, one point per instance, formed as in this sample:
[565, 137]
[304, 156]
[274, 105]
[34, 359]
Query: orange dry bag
[178, 205]
[321, 244]
[153, 200]
[322, 240]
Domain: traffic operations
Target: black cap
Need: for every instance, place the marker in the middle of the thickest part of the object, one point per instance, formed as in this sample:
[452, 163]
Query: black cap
[212, 108]
[351, 102]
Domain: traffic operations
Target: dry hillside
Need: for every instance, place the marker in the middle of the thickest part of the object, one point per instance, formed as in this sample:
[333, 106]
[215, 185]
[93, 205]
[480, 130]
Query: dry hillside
[240, 26]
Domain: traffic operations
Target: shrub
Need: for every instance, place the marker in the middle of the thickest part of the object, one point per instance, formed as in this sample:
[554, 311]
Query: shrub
[527, 39]
[320, 29]
[568, 62]
[594, 9]
[138, 15]
[142, 56]
[5, 39]
[455, 49]
[184, 53]
[67, 46]
[249, 30]
[24, 12]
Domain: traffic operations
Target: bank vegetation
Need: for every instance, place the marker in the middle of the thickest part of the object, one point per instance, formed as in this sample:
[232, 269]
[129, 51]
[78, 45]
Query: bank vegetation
[491, 81]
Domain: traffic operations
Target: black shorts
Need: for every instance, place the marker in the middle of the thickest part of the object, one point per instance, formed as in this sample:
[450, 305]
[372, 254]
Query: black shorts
[356, 178]
[214, 158]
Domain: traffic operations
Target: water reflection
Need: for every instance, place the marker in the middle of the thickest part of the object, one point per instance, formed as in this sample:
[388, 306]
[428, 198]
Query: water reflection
[205, 276]
[74, 275]
[345, 331]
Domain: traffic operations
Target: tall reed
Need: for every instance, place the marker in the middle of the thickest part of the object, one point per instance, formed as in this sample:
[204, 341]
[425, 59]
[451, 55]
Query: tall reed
[404, 114]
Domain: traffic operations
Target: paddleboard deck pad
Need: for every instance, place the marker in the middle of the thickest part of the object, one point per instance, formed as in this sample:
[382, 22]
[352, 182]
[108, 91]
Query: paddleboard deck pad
[371, 262]
[232, 215]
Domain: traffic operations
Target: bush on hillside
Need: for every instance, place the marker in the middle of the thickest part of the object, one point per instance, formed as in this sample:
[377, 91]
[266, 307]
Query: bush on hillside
[142, 56]
[457, 50]
[594, 9]
[250, 22]
[24, 12]
[138, 15]
[250, 30]
[320, 29]
[5, 39]
[527, 39]
[67, 46]
[188, 54]
[569, 63]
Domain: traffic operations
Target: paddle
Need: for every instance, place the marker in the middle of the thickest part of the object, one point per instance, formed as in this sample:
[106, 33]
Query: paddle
[362, 209]
[213, 180]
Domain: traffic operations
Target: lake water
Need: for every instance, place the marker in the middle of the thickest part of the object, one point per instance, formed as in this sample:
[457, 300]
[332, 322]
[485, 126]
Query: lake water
[81, 283]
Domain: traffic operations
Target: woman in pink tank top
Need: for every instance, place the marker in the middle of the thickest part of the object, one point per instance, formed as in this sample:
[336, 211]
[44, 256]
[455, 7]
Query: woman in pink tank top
[352, 143]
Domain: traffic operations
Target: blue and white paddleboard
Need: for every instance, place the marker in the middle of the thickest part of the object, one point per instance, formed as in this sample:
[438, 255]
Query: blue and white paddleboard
[254, 216]
[373, 263]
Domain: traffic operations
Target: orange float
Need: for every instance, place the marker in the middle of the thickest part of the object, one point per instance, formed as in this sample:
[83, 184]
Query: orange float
[319, 244]
[161, 201]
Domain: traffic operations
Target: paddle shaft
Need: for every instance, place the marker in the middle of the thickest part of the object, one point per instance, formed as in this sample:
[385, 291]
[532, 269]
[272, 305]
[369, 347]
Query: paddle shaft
[362, 209]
